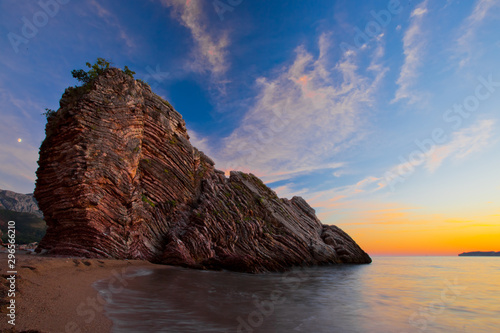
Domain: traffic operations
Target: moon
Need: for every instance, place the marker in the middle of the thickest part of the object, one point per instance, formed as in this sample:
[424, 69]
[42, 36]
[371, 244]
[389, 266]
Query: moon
[19, 140]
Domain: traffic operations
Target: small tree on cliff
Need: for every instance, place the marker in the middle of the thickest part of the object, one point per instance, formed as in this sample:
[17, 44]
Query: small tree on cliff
[87, 77]
[95, 69]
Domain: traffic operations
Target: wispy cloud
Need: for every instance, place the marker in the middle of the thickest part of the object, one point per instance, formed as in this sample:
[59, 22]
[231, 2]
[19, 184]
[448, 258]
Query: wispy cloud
[288, 191]
[201, 143]
[24, 106]
[331, 198]
[18, 158]
[397, 215]
[356, 204]
[339, 203]
[210, 53]
[303, 117]
[413, 47]
[112, 21]
[463, 143]
[469, 28]
[19, 163]
[299, 171]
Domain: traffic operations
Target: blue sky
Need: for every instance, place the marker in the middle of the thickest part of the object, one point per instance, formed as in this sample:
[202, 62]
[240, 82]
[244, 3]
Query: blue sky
[382, 114]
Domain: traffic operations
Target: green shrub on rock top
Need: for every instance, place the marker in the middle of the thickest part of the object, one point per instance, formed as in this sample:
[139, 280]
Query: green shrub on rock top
[86, 78]
[49, 113]
[101, 64]
[95, 70]
[128, 72]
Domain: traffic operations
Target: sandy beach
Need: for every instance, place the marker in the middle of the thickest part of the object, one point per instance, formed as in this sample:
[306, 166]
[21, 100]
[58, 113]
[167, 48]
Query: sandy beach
[55, 294]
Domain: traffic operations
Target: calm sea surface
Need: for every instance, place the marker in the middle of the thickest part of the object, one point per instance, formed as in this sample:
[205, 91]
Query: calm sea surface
[393, 294]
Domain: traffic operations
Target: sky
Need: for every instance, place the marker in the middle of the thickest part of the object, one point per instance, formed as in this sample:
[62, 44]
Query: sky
[383, 115]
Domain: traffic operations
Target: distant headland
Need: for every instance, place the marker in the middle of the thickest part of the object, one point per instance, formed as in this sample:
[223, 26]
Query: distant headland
[480, 254]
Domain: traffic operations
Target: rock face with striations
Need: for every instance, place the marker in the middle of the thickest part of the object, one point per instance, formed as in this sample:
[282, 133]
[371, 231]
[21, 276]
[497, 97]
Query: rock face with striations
[118, 178]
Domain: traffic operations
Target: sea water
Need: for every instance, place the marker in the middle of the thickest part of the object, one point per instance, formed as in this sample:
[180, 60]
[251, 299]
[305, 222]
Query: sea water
[393, 294]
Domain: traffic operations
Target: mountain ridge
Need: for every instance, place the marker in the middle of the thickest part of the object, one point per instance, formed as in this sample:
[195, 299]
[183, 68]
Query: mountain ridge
[18, 202]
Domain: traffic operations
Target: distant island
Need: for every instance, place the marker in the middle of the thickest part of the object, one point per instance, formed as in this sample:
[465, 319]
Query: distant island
[480, 254]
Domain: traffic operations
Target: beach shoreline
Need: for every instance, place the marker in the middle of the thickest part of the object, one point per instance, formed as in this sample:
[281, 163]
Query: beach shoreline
[56, 294]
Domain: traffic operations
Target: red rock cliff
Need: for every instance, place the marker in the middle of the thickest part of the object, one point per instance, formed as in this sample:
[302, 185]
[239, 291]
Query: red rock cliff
[118, 178]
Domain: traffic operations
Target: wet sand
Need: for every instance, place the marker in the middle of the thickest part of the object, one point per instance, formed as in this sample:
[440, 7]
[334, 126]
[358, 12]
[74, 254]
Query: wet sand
[55, 294]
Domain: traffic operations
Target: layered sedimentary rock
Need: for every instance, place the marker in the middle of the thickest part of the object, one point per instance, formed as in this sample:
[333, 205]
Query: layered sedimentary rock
[118, 178]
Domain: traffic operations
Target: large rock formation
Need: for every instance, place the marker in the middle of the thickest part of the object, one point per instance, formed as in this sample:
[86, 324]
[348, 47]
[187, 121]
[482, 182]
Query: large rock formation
[118, 178]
